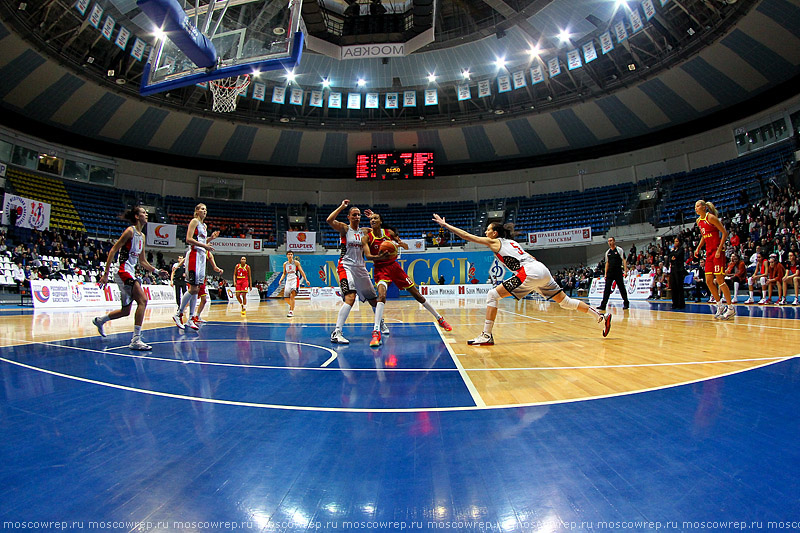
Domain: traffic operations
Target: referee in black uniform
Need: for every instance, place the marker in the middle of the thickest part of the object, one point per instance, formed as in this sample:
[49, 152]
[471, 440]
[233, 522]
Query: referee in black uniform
[616, 269]
[178, 279]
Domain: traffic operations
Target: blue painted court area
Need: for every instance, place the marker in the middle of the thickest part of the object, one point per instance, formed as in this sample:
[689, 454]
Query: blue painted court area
[405, 449]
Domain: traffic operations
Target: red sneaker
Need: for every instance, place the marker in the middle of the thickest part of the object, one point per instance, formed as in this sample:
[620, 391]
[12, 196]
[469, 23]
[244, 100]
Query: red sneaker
[443, 323]
[376, 339]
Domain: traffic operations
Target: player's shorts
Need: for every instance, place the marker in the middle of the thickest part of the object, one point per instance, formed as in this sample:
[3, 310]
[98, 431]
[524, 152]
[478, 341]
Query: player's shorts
[356, 280]
[392, 272]
[532, 277]
[201, 289]
[196, 268]
[241, 285]
[125, 282]
[715, 265]
[292, 284]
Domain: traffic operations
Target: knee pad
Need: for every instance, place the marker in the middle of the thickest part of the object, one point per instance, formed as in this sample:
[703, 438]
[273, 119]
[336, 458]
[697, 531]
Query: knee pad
[569, 303]
[492, 297]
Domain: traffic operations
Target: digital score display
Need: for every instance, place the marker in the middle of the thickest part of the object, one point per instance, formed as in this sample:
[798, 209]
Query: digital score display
[394, 166]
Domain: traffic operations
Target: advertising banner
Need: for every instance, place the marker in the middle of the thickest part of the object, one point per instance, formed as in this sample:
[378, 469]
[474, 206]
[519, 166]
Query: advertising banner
[235, 246]
[31, 214]
[252, 295]
[47, 294]
[161, 235]
[457, 268]
[301, 241]
[449, 291]
[638, 286]
[558, 237]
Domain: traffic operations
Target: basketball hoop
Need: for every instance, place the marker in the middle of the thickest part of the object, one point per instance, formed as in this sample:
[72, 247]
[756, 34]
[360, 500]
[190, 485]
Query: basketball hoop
[226, 92]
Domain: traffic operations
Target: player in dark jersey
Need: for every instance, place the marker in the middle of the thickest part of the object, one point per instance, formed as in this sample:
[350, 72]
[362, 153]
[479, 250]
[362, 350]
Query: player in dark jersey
[714, 236]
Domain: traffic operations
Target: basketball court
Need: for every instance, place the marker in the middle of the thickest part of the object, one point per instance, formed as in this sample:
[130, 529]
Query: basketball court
[264, 423]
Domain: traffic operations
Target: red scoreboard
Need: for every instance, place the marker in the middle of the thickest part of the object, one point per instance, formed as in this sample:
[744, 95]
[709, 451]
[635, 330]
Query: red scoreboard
[394, 165]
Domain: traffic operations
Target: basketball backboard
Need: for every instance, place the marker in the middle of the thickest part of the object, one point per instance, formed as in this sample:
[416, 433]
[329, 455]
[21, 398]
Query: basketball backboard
[227, 38]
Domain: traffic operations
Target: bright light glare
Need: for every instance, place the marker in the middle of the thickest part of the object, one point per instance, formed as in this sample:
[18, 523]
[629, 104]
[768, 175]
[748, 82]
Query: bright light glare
[361, 82]
[160, 35]
[500, 62]
[564, 36]
[290, 76]
[534, 51]
[465, 73]
[431, 78]
[621, 3]
[326, 82]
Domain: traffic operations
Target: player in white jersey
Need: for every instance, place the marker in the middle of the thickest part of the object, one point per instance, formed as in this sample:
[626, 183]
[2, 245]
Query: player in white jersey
[130, 246]
[353, 276]
[196, 237]
[530, 275]
[291, 269]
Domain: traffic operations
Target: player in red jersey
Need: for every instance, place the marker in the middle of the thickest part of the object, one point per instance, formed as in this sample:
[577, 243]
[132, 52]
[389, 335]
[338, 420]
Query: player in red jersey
[243, 280]
[792, 277]
[387, 270]
[130, 246]
[714, 236]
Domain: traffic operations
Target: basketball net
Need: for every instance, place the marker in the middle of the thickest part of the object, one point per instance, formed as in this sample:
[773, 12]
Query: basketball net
[226, 92]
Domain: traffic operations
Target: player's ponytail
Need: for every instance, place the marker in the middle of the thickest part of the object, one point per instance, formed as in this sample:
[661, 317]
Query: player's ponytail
[710, 208]
[504, 231]
[131, 214]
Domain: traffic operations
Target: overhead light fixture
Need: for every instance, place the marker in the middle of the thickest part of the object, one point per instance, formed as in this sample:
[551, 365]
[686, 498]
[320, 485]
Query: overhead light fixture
[690, 31]
[326, 82]
[90, 60]
[159, 34]
[361, 82]
[621, 3]
[563, 36]
[500, 62]
[534, 51]
[256, 73]
[465, 73]
[431, 77]
[110, 73]
[290, 76]
[631, 67]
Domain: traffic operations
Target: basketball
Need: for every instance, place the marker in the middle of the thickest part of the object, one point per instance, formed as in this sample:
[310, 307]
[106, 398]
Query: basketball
[389, 246]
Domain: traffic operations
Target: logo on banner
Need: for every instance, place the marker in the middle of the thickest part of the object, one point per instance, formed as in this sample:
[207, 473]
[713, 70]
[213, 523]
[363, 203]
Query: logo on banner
[534, 238]
[587, 233]
[75, 293]
[159, 234]
[256, 245]
[462, 289]
[43, 294]
[20, 206]
[301, 237]
[108, 294]
[423, 290]
[418, 244]
[323, 275]
[37, 219]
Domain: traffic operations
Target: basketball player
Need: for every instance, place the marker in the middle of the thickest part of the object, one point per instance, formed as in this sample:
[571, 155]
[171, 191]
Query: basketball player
[291, 268]
[387, 270]
[760, 275]
[714, 236]
[178, 278]
[130, 246]
[531, 275]
[202, 293]
[243, 280]
[792, 278]
[353, 276]
[196, 237]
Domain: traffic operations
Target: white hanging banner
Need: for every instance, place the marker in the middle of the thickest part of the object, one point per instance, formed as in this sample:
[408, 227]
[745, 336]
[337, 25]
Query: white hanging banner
[278, 95]
[81, 6]
[463, 92]
[563, 236]
[664, 2]
[637, 285]
[371, 101]
[503, 84]
[108, 27]
[636, 20]
[554, 67]
[53, 294]
[259, 91]
[620, 31]
[31, 214]
[97, 13]
[484, 89]
[353, 100]
[431, 97]
[392, 100]
[649, 9]
[409, 98]
[161, 235]
[301, 241]
[606, 44]
[537, 75]
[137, 52]
[519, 79]
[335, 100]
[296, 97]
[122, 37]
[589, 53]
[235, 246]
[574, 59]
[315, 100]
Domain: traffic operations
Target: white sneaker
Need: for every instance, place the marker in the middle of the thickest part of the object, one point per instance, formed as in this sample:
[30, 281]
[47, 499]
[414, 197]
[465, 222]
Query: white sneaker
[99, 325]
[384, 328]
[764, 301]
[484, 339]
[712, 300]
[192, 324]
[720, 311]
[137, 344]
[796, 301]
[290, 314]
[749, 301]
[782, 301]
[730, 312]
[178, 319]
[338, 338]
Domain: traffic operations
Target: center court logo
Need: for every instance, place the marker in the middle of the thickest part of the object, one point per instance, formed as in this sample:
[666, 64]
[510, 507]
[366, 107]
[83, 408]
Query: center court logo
[42, 295]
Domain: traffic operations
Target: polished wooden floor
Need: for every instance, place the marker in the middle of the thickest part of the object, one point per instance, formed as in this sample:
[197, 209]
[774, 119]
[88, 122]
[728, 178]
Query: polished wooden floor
[544, 354]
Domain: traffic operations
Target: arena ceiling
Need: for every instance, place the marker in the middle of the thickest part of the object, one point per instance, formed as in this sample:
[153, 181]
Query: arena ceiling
[693, 59]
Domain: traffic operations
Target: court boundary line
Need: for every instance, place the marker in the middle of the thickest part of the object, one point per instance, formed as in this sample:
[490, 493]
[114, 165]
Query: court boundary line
[473, 391]
[394, 410]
